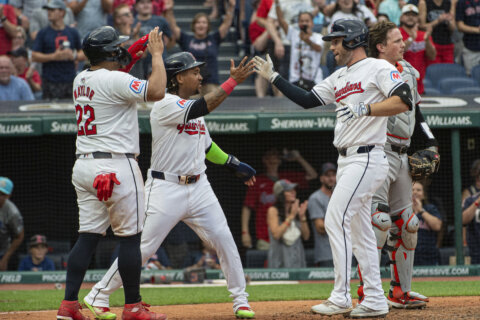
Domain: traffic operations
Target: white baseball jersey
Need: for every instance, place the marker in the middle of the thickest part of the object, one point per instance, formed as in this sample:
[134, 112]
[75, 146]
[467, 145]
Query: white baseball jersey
[106, 109]
[177, 146]
[310, 58]
[369, 80]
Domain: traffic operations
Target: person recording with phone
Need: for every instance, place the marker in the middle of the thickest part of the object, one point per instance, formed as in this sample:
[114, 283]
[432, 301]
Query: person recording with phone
[306, 50]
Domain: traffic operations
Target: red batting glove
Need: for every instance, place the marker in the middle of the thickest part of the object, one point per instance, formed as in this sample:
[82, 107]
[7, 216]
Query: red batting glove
[104, 184]
[137, 46]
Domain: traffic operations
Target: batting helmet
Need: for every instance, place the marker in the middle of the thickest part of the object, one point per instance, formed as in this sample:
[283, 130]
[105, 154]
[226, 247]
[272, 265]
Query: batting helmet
[351, 30]
[102, 44]
[180, 62]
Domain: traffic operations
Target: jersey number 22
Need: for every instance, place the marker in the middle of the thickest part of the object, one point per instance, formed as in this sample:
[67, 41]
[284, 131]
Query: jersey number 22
[88, 113]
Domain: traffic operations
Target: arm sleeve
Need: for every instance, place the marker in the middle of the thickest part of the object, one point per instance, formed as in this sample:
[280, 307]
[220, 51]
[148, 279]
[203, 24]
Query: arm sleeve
[305, 99]
[422, 133]
[198, 109]
[215, 154]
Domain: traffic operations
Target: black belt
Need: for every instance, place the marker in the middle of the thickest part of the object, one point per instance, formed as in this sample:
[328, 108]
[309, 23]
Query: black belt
[105, 155]
[362, 149]
[398, 149]
[186, 179]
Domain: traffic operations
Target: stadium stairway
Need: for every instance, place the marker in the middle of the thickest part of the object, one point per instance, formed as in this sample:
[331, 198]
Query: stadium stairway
[184, 11]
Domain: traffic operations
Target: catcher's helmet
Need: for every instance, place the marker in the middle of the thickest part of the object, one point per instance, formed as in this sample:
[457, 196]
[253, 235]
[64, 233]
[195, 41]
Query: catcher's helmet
[179, 62]
[102, 44]
[352, 30]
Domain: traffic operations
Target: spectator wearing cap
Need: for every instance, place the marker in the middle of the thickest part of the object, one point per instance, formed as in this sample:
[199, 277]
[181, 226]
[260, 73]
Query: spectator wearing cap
[8, 27]
[90, 14]
[57, 47]
[260, 197]
[37, 260]
[24, 70]
[39, 20]
[317, 209]
[467, 16]
[287, 226]
[419, 49]
[11, 224]
[12, 88]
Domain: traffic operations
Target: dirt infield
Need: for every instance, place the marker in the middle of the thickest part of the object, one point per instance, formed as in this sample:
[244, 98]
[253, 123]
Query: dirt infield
[438, 308]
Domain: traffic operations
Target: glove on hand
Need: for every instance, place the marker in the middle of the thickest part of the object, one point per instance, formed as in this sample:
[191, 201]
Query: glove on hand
[265, 68]
[349, 112]
[137, 46]
[241, 169]
[104, 184]
[423, 163]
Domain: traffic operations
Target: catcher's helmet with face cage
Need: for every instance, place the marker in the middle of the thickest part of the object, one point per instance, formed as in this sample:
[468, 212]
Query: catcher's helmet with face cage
[355, 33]
[103, 44]
[180, 62]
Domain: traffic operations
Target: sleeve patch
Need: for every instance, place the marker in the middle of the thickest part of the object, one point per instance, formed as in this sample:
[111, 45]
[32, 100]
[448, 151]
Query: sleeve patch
[136, 86]
[182, 103]
[395, 76]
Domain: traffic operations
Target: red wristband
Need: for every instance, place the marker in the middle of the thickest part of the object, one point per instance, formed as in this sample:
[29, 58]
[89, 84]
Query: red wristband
[244, 232]
[228, 85]
[476, 203]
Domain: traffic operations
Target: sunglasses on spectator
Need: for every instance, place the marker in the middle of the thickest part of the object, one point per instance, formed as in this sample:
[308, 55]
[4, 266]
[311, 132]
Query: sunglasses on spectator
[126, 14]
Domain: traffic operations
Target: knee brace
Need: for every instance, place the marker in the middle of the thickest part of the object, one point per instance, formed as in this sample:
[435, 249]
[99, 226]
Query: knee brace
[381, 223]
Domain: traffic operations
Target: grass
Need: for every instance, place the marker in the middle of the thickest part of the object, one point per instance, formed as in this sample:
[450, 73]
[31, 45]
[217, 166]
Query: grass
[23, 300]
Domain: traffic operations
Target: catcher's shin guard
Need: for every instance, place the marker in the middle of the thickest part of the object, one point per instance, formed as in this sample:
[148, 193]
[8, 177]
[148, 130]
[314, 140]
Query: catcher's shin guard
[381, 223]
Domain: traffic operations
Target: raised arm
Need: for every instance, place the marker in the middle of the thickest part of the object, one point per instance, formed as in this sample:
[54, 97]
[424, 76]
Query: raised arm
[170, 17]
[77, 6]
[227, 19]
[280, 18]
[158, 79]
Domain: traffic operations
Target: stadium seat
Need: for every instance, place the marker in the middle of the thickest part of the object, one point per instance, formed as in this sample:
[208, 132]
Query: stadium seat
[310, 257]
[438, 71]
[325, 71]
[467, 90]
[431, 91]
[257, 258]
[427, 83]
[58, 246]
[448, 85]
[445, 254]
[475, 73]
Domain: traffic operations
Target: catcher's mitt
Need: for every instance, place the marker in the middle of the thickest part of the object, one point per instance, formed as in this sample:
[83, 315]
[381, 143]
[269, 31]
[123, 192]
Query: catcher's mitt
[423, 163]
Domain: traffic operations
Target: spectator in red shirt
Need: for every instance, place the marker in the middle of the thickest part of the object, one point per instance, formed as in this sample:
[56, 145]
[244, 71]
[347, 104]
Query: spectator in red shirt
[260, 197]
[8, 27]
[158, 5]
[418, 44]
[24, 70]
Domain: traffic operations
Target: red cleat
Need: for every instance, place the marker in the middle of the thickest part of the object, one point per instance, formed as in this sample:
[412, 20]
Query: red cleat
[70, 310]
[139, 311]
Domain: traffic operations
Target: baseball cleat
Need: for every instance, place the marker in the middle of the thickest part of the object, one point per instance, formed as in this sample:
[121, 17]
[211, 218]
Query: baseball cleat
[244, 313]
[70, 310]
[101, 313]
[361, 311]
[407, 303]
[329, 309]
[139, 311]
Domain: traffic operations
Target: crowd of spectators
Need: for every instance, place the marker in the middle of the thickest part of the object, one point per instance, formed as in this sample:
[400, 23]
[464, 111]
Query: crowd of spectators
[51, 32]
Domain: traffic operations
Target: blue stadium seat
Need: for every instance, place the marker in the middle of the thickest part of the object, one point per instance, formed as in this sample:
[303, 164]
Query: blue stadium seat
[427, 83]
[467, 90]
[448, 85]
[325, 71]
[431, 91]
[445, 254]
[475, 73]
[438, 71]
[256, 258]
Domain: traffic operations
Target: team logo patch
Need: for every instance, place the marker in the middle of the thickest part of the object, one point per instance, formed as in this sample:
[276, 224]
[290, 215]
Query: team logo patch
[181, 103]
[136, 86]
[395, 76]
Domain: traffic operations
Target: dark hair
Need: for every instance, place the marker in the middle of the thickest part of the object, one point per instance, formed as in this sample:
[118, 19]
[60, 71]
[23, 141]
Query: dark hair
[378, 34]
[280, 205]
[305, 12]
[197, 17]
[355, 8]
[172, 85]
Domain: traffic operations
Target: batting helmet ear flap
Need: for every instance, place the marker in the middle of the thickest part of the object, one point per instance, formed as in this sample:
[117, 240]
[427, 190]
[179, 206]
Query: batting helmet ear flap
[354, 33]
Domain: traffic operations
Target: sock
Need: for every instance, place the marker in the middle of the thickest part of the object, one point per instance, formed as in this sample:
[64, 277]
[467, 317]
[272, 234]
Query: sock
[78, 261]
[129, 266]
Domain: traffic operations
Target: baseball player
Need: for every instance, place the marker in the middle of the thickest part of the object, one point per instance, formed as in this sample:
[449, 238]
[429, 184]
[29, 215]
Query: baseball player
[393, 200]
[106, 175]
[365, 91]
[177, 188]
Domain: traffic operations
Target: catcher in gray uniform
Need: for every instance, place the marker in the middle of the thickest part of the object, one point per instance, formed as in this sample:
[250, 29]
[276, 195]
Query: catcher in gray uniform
[394, 222]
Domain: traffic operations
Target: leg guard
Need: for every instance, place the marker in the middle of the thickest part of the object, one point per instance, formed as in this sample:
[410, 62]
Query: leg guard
[401, 245]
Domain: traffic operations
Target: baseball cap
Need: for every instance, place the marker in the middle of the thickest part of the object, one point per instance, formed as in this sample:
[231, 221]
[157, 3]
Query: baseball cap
[55, 4]
[283, 185]
[6, 185]
[37, 239]
[409, 8]
[327, 166]
[20, 52]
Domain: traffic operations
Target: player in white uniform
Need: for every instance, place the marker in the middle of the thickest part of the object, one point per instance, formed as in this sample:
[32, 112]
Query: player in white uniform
[393, 200]
[106, 176]
[177, 188]
[366, 91]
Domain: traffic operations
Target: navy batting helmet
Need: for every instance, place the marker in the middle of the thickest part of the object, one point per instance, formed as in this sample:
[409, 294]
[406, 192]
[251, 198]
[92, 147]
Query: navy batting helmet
[180, 62]
[354, 31]
[102, 44]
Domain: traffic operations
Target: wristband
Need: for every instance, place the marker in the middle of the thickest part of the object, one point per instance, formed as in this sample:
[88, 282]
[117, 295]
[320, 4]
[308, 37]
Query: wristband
[287, 223]
[3, 19]
[274, 77]
[228, 85]
[369, 109]
[420, 212]
[244, 232]
[476, 204]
